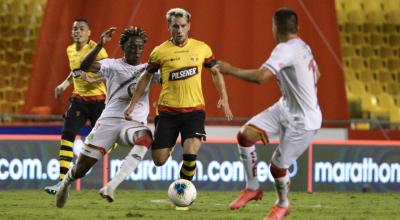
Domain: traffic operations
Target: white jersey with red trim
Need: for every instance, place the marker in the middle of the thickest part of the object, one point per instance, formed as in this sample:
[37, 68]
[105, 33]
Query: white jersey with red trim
[296, 70]
[121, 78]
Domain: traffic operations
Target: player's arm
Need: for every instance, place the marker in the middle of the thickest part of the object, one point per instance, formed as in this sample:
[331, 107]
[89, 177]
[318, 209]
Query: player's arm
[88, 63]
[257, 76]
[219, 83]
[63, 86]
[139, 91]
[85, 76]
[318, 73]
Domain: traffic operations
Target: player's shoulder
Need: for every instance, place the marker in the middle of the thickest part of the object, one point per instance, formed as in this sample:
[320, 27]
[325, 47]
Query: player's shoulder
[92, 43]
[71, 48]
[198, 43]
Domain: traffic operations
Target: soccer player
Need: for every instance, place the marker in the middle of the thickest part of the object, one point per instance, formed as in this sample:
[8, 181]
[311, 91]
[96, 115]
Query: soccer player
[87, 101]
[295, 118]
[121, 76]
[181, 107]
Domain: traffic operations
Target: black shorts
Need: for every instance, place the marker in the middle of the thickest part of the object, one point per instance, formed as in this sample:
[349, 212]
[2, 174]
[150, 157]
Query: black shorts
[79, 112]
[168, 125]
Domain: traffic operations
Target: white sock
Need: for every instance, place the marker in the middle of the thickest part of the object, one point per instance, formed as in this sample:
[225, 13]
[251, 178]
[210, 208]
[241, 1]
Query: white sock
[282, 190]
[248, 155]
[68, 179]
[130, 163]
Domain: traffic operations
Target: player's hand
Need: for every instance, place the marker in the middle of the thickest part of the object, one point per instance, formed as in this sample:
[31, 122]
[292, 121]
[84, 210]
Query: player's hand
[58, 91]
[224, 67]
[227, 110]
[127, 112]
[106, 36]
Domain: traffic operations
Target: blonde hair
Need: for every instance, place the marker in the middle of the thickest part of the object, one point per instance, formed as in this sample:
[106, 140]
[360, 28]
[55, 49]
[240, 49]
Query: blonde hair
[178, 12]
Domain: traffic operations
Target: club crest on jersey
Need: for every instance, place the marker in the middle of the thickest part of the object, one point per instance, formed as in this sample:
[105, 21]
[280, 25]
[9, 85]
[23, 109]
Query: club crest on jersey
[194, 57]
[183, 73]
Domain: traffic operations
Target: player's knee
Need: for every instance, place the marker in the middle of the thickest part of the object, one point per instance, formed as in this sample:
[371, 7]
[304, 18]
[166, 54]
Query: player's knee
[159, 158]
[243, 139]
[159, 161]
[143, 138]
[277, 172]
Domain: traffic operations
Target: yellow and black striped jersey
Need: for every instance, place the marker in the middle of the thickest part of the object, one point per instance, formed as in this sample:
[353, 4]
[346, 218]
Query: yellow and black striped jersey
[83, 89]
[180, 68]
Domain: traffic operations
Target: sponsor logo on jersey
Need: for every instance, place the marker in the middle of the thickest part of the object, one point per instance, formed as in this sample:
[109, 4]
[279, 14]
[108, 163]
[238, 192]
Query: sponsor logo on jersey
[183, 73]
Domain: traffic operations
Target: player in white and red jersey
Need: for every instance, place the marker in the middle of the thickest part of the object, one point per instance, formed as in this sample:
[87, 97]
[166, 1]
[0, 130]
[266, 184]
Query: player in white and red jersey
[121, 76]
[295, 118]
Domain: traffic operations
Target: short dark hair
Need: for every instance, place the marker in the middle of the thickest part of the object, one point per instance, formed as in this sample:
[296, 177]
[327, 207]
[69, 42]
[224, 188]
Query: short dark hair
[132, 32]
[82, 20]
[286, 21]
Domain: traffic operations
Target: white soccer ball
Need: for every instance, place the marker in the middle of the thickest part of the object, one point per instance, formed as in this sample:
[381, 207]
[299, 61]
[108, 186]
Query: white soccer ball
[182, 192]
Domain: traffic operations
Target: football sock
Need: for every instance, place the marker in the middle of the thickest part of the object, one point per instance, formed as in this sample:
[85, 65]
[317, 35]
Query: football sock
[68, 178]
[129, 164]
[66, 156]
[248, 155]
[188, 168]
[282, 190]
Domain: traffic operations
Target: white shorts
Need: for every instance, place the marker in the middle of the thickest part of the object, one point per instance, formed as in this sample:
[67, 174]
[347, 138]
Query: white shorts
[108, 131]
[294, 139]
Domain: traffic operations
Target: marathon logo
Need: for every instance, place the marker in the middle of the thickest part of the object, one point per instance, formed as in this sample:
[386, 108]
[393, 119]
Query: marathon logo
[183, 73]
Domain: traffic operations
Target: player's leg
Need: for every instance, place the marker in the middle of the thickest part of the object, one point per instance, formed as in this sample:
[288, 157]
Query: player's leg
[94, 111]
[293, 143]
[97, 143]
[165, 134]
[247, 137]
[72, 122]
[192, 133]
[82, 166]
[256, 129]
[138, 137]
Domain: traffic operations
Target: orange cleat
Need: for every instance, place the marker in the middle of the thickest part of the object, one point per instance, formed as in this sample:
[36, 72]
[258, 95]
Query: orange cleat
[277, 213]
[246, 196]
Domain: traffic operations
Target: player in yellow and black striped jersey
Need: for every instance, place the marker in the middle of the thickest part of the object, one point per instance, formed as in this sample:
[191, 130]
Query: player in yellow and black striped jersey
[181, 106]
[87, 101]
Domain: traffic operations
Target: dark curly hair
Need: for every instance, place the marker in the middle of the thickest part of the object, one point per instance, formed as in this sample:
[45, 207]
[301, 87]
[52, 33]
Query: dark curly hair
[132, 32]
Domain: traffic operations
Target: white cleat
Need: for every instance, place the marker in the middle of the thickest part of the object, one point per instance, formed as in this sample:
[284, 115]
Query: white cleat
[62, 195]
[107, 193]
[53, 189]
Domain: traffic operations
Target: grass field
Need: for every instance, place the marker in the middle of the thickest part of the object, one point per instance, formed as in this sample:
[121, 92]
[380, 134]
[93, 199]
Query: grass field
[130, 204]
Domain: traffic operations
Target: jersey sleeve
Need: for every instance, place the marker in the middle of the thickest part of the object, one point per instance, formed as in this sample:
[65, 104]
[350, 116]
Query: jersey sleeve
[105, 69]
[280, 58]
[209, 59]
[156, 79]
[154, 61]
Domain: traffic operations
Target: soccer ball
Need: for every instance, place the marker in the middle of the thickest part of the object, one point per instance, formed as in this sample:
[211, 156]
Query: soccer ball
[182, 193]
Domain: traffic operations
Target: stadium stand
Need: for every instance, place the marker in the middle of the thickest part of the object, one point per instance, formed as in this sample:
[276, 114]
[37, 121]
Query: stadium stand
[20, 21]
[370, 34]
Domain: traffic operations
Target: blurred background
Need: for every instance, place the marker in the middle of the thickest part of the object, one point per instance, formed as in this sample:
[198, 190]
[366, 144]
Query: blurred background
[356, 45]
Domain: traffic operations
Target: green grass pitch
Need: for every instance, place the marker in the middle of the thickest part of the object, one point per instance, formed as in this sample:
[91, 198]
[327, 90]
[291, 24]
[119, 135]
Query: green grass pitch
[152, 204]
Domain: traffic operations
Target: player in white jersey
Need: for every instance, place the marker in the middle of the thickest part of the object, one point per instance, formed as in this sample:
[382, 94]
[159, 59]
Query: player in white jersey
[295, 118]
[121, 76]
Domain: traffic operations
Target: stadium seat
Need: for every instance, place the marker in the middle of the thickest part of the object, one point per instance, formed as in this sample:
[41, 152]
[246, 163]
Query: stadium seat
[392, 88]
[368, 52]
[386, 101]
[372, 5]
[371, 109]
[366, 76]
[394, 63]
[374, 87]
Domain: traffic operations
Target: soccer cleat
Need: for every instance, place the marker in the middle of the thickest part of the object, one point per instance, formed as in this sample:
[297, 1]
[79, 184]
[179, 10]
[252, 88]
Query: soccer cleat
[62, 194]
[186, 208]
[245, 196]
[52, 190]
[277, 213]
[107, 193]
